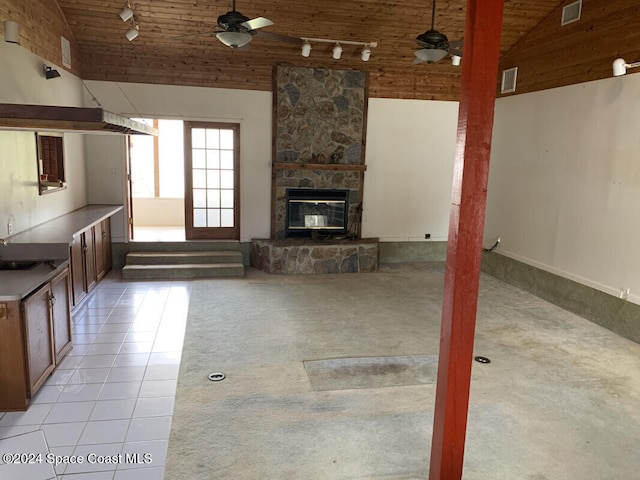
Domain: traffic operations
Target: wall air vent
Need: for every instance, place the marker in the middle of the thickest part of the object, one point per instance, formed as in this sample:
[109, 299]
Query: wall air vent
[509, 80]
[571, 13]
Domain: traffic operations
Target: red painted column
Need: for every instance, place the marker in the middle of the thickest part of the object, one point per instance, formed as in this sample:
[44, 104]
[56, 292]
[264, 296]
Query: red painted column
[466, 225]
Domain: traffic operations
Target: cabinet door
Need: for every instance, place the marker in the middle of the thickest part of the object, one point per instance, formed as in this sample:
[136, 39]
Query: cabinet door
[98, 235]
[38, 338]
[13, 374]
[106, 245]
[90, 259]
[61, 315]
[78, 290]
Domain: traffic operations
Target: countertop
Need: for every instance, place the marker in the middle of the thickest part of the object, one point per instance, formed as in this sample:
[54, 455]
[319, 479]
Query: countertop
[17, 284]
[46, 242]
[64, 228]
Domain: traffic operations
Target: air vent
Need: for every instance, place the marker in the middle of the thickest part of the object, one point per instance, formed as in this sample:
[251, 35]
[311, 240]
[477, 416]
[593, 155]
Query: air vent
[571, 13]
[509, 80]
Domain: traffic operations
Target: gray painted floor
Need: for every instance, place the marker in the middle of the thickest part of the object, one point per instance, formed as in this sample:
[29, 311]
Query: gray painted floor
[559, 400]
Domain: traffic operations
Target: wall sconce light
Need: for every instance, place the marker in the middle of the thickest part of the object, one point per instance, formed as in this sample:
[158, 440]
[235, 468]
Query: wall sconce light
[133, 32]
[50, 72]
[455, 60]
[337, 51]
[620, 66]
[306, 49]
[11, 34]
[365, 55]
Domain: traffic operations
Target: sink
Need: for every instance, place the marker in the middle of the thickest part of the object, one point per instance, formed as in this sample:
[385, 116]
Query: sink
[18, 264]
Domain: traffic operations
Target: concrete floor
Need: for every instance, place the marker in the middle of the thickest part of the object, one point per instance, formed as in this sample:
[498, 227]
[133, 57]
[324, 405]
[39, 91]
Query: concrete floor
[559, 400]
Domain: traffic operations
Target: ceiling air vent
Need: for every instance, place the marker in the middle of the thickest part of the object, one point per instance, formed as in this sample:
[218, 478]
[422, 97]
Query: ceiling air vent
[571, 13]
[509, 80]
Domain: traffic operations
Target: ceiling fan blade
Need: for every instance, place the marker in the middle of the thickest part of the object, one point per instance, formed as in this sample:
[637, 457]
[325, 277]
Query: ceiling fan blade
[279, 37]
[455, 51]
[456, 44]
[255, 23]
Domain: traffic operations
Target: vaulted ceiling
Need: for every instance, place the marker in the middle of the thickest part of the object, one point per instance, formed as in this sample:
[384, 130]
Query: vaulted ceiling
[166, 52]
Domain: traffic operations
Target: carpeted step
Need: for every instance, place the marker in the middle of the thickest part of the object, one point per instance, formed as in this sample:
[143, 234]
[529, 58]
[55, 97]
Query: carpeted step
[175, 258]
[183, 271]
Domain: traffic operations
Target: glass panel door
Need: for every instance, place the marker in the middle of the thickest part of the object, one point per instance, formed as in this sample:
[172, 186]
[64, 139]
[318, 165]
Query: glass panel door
[212, 180]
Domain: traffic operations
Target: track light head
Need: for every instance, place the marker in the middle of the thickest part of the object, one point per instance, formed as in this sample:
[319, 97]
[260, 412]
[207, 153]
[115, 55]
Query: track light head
[337, 51]
[366, 53]
[132, 33]
[126, 14]
[306, 49]
[455, 60]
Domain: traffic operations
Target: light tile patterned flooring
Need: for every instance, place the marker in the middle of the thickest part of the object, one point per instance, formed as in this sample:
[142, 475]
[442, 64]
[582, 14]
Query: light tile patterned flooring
[114, 393]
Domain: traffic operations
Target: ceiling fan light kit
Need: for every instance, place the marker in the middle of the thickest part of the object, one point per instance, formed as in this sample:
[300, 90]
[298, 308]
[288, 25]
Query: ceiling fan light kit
[234, 39]
[435, 45]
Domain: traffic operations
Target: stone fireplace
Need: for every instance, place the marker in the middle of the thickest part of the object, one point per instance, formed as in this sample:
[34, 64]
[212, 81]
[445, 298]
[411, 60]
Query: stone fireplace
[319, 124]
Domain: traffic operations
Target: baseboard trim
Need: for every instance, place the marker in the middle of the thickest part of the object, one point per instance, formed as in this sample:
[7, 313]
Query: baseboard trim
[619, 316]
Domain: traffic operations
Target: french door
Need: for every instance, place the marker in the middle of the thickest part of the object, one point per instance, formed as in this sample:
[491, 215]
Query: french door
[212, 180]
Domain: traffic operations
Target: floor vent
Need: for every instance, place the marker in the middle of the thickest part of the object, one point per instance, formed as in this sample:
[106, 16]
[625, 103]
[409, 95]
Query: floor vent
[571, 13]
[509, 80]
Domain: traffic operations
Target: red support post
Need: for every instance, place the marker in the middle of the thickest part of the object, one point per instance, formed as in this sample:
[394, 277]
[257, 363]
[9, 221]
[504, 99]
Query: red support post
[466, 225]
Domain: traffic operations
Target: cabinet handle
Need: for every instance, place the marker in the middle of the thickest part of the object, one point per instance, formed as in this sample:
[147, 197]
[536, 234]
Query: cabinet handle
[52, 300]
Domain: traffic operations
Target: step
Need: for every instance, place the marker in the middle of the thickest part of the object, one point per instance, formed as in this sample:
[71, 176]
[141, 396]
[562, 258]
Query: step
[183, 271]
[175, 258]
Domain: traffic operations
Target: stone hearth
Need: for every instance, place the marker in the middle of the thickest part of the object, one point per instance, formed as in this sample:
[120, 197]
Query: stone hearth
[304, 256]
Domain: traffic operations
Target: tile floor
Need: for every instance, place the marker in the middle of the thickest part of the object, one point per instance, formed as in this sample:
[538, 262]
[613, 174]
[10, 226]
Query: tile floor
[114, 393]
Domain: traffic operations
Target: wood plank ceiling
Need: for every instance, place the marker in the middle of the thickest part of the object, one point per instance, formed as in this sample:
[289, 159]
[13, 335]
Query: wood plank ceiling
[162, 54]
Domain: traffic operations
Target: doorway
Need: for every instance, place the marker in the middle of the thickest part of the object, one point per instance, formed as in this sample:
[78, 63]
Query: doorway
[212, 185]
[156, 178]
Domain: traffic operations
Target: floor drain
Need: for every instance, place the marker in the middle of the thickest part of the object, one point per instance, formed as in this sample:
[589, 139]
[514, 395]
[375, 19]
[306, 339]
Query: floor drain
[482, 360]
[216, 376]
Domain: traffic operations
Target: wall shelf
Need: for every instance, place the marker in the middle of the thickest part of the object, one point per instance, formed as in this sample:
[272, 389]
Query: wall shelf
[318, 166]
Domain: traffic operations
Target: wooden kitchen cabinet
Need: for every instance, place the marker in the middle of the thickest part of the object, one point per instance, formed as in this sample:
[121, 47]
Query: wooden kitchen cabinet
[38, 330]
[35, 336]
[90, 253]
[61, 315]
[102, 236]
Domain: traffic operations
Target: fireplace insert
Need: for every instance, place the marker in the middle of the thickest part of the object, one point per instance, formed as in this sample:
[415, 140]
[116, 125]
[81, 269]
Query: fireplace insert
[322, 211]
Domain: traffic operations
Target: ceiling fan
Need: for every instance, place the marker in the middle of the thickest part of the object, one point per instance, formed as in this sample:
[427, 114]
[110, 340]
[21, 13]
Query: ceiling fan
[435, 45]
[236, 30]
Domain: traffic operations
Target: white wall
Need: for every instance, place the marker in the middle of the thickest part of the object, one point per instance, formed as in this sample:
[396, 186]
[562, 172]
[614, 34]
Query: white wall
[251, 109]
[409, 155]
[22, 81]
[564, 185]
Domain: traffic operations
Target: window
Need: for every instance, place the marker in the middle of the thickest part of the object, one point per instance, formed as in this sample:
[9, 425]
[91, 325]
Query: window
[50, 152]
[157, 163]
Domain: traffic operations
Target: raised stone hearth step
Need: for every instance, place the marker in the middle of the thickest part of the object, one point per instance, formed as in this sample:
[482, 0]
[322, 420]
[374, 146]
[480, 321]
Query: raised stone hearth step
[183, 271]
[176, 258]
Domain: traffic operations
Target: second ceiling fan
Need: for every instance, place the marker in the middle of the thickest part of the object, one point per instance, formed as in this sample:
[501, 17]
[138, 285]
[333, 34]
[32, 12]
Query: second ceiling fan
[236, 30]
[435, 45]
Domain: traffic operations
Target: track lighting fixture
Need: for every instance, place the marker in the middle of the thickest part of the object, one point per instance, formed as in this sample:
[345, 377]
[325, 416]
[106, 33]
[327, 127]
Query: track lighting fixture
[337, 51]
[455, 60]
[365, 53]
[620, 66]
[306, 49]
[50, 72]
